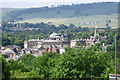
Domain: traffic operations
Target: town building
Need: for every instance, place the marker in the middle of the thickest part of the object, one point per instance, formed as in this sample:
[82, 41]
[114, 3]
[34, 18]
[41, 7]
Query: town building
[89, 41]
[112, 76]
[55, 43]
[10, 51]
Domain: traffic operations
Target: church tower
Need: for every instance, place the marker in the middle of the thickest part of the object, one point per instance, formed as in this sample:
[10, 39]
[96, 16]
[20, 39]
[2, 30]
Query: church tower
[95, 34]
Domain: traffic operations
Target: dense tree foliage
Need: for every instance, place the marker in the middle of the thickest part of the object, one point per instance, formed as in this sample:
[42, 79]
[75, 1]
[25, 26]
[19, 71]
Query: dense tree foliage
[73, 63]
[10, 39]
[5, 69]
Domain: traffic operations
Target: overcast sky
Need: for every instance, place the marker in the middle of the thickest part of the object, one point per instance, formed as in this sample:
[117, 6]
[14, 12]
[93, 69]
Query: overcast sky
[40, 3]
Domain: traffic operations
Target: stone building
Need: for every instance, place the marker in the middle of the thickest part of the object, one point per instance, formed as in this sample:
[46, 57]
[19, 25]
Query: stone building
[16, 49]
[57, 44]
[53, 44]
[8, 53]
[89, 41]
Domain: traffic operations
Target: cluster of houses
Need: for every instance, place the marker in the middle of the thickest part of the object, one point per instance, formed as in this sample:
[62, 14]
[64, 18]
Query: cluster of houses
[20, 28]
[55, 43]
[10, 51]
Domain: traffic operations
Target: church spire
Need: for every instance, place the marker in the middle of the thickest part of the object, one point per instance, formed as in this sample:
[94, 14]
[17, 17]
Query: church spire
[95, 34]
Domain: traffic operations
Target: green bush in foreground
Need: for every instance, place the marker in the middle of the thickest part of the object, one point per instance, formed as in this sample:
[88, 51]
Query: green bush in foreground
[73, 63]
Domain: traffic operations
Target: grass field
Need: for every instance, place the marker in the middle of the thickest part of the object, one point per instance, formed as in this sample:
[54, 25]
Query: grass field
[84, 21]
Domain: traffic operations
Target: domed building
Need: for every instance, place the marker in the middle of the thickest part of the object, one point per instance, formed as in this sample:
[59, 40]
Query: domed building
[54, 36]
[55, 43]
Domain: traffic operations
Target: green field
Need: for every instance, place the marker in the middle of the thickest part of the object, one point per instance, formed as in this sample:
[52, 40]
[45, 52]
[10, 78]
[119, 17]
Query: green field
[90, 21]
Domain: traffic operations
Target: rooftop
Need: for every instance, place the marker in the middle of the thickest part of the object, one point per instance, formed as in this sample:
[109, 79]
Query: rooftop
[55, 41]
[82, 40]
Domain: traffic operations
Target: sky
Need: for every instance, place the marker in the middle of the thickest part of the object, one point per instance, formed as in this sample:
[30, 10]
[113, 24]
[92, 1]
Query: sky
[41, 3]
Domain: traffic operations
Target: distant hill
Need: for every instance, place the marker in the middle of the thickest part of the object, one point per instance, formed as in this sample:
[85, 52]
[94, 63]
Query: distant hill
[4, 12]
[74, 10]
[85, 15]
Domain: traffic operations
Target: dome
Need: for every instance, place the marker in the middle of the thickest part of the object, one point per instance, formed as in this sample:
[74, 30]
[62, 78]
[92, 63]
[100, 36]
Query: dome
[96, 27]
[54, 35]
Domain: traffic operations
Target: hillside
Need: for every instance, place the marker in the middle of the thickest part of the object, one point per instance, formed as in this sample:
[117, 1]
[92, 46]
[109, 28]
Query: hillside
[79, 14]
[83, 21]
[4, 12]
[75, 10]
